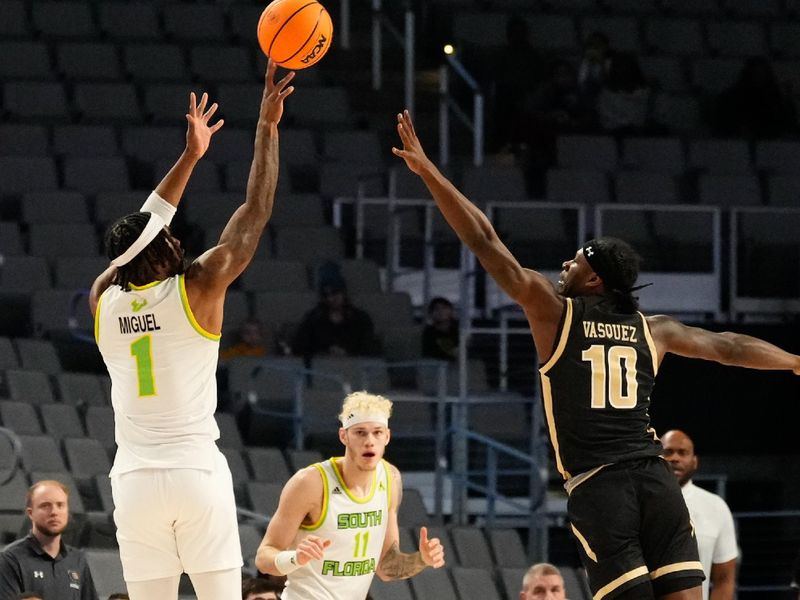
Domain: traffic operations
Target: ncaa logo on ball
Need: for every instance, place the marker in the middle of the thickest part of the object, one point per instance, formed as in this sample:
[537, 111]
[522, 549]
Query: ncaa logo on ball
[315, 50]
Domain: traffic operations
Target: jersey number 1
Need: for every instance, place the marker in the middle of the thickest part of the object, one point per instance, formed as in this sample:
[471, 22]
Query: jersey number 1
[141, 350]
[608, 383]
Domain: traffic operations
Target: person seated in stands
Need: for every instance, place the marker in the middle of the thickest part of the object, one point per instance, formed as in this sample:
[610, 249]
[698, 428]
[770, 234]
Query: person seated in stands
[334, 327]
[262, 588]
[756, 106]
[542, 581]
[624, 102]
[252, 340]
[594, 65]
[440, 336]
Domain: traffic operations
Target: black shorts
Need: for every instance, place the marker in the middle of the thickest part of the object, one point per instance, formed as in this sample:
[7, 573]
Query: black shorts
[633, 527]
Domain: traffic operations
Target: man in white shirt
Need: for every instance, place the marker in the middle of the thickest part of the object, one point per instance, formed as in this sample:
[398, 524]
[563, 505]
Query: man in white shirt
[712, 519]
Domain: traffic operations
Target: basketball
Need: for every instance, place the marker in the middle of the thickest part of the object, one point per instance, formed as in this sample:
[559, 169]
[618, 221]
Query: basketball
[295, 33]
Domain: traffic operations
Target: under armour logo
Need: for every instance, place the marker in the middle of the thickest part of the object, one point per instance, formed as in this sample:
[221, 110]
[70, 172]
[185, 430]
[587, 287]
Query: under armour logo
[588, 251]
[38, 574]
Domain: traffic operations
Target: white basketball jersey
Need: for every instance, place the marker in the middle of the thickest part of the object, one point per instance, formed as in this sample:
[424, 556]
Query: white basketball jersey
[356, 528]
[163, 377]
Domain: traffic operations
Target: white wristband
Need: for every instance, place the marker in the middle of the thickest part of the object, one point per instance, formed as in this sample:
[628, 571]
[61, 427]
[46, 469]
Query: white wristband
[286, 562]
[158, 206]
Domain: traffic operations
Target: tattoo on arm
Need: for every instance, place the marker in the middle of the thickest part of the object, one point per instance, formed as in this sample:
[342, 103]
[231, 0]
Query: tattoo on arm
[399, 565]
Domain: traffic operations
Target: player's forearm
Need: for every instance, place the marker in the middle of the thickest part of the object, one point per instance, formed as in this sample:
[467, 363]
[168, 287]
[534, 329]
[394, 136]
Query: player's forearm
[265, 560]
[399, 565]
[723, 590]
[466, 219]
[746, 351]
[174, 183]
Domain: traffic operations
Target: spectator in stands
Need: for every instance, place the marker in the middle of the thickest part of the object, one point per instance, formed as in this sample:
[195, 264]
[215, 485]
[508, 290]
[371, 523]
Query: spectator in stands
[511, 90]
[542, 581]
[28, 596]
[252, 340]
[40, 563]
[594, 66]
[755, 107]
[440, 336]
[625, 100]
[119, 596]
[261, 588]
[334, 327]
[711, 517]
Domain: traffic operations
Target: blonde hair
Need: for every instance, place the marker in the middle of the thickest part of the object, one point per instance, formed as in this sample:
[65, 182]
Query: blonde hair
[42, 483]
[364, 402]
[540, 570]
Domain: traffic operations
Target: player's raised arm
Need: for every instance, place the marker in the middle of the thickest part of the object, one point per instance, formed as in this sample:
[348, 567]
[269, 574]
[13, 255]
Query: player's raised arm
[395, 564]
[218, 267]
[727, 348]
[526, 287]
[301, 499]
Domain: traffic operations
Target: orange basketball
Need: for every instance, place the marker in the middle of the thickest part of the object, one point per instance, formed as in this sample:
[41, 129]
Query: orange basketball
[295, 33]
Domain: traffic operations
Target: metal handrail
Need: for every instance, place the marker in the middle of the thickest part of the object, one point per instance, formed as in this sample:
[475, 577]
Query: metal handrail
[406, 41]
[448, 103]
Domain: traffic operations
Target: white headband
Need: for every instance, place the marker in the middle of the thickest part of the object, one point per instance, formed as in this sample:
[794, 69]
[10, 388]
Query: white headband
[354, 418]
[151, 230]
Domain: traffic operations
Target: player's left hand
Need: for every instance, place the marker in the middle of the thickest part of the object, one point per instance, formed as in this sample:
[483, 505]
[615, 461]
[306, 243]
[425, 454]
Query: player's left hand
[412, 151]
[431, 550]
[198, 133]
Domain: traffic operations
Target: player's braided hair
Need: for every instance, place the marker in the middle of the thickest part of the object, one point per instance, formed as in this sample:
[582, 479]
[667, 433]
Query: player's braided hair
[617, 264]
[119, 237]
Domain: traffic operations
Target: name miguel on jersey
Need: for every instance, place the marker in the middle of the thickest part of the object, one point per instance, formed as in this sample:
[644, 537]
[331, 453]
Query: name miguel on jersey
[138, 323]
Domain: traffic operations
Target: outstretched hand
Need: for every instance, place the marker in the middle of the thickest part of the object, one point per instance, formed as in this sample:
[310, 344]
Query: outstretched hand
[431, 550]
[412, 151]
[274, 94]
[198, 133]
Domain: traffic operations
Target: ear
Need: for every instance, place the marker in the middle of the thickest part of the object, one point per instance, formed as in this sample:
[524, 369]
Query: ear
[343, 436]
[29, 511]
[593, 281]
[388, 436]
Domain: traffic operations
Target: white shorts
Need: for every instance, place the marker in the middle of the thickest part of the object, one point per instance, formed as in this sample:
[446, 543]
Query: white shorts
[171, 521]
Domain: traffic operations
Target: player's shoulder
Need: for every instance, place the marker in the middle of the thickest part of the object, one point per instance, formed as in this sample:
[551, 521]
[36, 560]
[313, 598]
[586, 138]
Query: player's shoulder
[305, 480]
[711, 500]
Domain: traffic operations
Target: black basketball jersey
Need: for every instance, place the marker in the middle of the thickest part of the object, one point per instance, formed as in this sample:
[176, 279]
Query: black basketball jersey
[596, 387]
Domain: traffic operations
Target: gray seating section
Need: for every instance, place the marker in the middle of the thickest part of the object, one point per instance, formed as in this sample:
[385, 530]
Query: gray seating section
[361, 373]
[434, 583]
[299, 459]
[575, 584]
[211, 209]
[268, 465]
[8, 356]
[129, 20]
[664, 73]
[38, 355]
[11, 240]
[20, 417]
[298, 146]
[511, 581]
[264, 496]
[41, 453]
[63, 19]
[104, 102]
[304, 111]
[96, 174]
[298, 210]
[471, 547]
[22, 139]
[784, 190]
[357, 178]
[250, 537]
[680, 113]
[99, 422]
[492, 182]
[87, 457]
[507, 548]
[59, 311]
[103, 485]
[309, 244]
[624, 31]
[23, 174]
[720, 157]
[24, 274]
[220, 63]
[412, 511]
[139, 59]
[88, 61]
[149, 143]
[475, 583]
[53, 240]
[779, 156]
[674, 36]
[239, 102]
[110, 206]
[275, 276]
[12, 494]
[392, 309]
[570, 185]
[40, 100]
[659, 155]
[54, 207]
[81, 389]
[236, 144]
[78, 272]
[785, 39]
[270, 378]
[205, 177]
[15, 20]
[29, 386]
[61, 421]
[643, 187]
[587, 152]
[237, 310]
[24, 60]
[729, 190]
[166, 102]
[106, 571]
[361, 276]
[237, 466]
[229, 432]
[192, 22]
[280, 309]
[553, 32]
[390, 590]
[737, 38]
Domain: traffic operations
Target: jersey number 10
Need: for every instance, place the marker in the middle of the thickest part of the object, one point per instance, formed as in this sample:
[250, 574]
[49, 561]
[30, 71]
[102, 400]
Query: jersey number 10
[615, 385]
